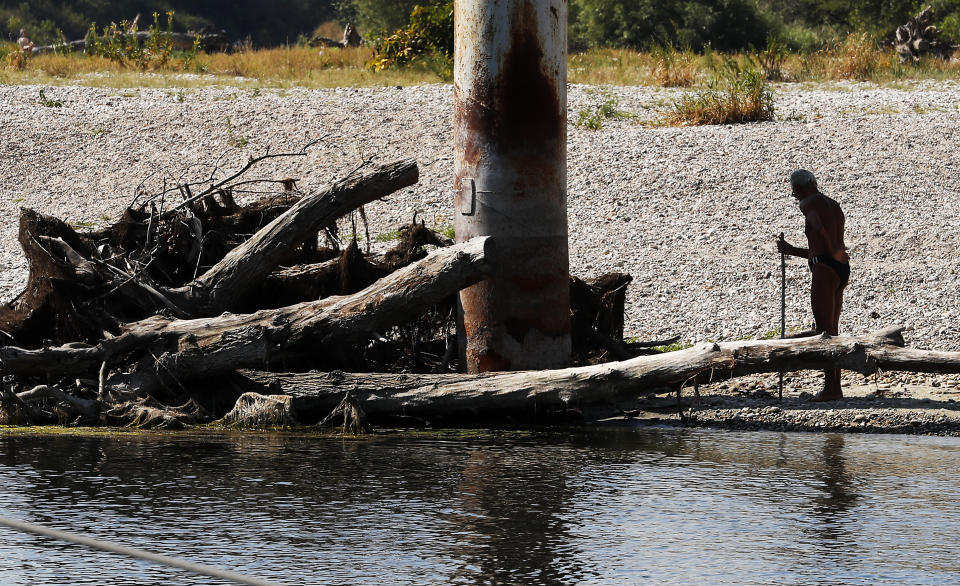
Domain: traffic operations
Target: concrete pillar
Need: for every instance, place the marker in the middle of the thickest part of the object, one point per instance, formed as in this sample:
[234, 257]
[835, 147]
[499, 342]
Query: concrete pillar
[510, 149]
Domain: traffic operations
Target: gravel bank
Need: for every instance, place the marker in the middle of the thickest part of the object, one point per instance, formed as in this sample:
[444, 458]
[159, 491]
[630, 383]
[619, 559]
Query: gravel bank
[689, 212]
[885, 404]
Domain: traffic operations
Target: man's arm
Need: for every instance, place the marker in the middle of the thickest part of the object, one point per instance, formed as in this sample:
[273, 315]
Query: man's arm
[790, 250]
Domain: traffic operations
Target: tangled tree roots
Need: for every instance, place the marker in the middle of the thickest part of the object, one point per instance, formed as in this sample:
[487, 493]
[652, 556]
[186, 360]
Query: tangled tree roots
[148, 413]
[253, 410]
[919, 37]
[354, 418]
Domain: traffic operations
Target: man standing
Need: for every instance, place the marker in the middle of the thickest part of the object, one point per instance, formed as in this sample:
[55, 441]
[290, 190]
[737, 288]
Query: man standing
[829, 264]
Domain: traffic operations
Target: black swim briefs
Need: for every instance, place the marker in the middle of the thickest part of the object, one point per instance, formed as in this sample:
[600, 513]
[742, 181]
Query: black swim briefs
[841, 268]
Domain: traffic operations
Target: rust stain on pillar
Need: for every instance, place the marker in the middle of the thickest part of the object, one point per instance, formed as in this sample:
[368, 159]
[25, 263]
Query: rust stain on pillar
[510, 179]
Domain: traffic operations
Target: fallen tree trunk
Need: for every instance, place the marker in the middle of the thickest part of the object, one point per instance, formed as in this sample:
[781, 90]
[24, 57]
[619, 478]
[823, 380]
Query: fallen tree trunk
[611, 384]
[331, 327]
[319, 330]
[911, 360]
[69, 359]
[220, 288]
[345, 274]
[87, 408]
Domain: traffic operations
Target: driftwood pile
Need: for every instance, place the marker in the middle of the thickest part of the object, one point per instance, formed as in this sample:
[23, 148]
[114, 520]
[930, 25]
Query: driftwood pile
[919, 37]
[149, 321]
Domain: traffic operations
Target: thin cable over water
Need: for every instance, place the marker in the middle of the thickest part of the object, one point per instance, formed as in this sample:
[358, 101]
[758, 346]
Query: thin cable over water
[135, 553]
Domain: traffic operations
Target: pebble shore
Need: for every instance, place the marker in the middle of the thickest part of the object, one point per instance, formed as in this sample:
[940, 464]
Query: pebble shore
[691, 213]
[887, 403]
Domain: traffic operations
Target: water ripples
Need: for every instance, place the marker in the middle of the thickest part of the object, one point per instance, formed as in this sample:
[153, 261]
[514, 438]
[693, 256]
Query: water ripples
[607, 506]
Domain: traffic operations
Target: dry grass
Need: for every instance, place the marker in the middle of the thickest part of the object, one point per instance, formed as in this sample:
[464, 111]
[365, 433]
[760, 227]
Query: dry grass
[609, 67]
[14, 59]
[309, 67]
[281, 68]
[673, 68]
[857, 57]
[283, 63]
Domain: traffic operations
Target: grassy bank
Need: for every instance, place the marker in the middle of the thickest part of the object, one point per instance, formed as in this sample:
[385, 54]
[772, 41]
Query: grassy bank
[268, 68]
[857, 58]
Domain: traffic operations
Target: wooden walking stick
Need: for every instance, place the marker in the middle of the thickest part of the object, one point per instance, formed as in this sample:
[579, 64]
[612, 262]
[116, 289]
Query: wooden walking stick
[783, 305]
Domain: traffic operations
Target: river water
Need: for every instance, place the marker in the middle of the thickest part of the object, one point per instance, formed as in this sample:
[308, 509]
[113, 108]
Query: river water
[547, 507]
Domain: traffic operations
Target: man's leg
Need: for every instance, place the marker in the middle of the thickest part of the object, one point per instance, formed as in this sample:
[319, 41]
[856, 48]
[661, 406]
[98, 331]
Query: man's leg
[837, 306]
[831, 384]
[826, 298]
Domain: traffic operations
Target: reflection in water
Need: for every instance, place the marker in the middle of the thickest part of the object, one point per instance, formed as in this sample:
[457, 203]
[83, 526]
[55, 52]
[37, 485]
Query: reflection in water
[511, 516]
[607, 506]
[839, 497]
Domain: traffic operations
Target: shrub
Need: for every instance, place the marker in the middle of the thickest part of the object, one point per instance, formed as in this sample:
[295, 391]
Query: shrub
[726, 24]
[117, 43]
[740, 95]
[375, 18]
[429, 36]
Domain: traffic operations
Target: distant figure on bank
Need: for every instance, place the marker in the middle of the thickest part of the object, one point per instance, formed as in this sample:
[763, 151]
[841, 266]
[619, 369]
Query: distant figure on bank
[24, 42]
[829, 264]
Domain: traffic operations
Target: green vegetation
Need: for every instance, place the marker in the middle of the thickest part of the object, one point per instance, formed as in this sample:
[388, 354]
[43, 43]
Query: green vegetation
[737, 25]
[640, 24]
[770, 334]
[447, 231]
[48, 102]
[672, 347]
[115, 44]
[428, 37]
[394, 235]
[376, 19]
[235, 139]
[384, 237]
[726, 25]
[265, 24]
[739, 95]
[594, 117]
